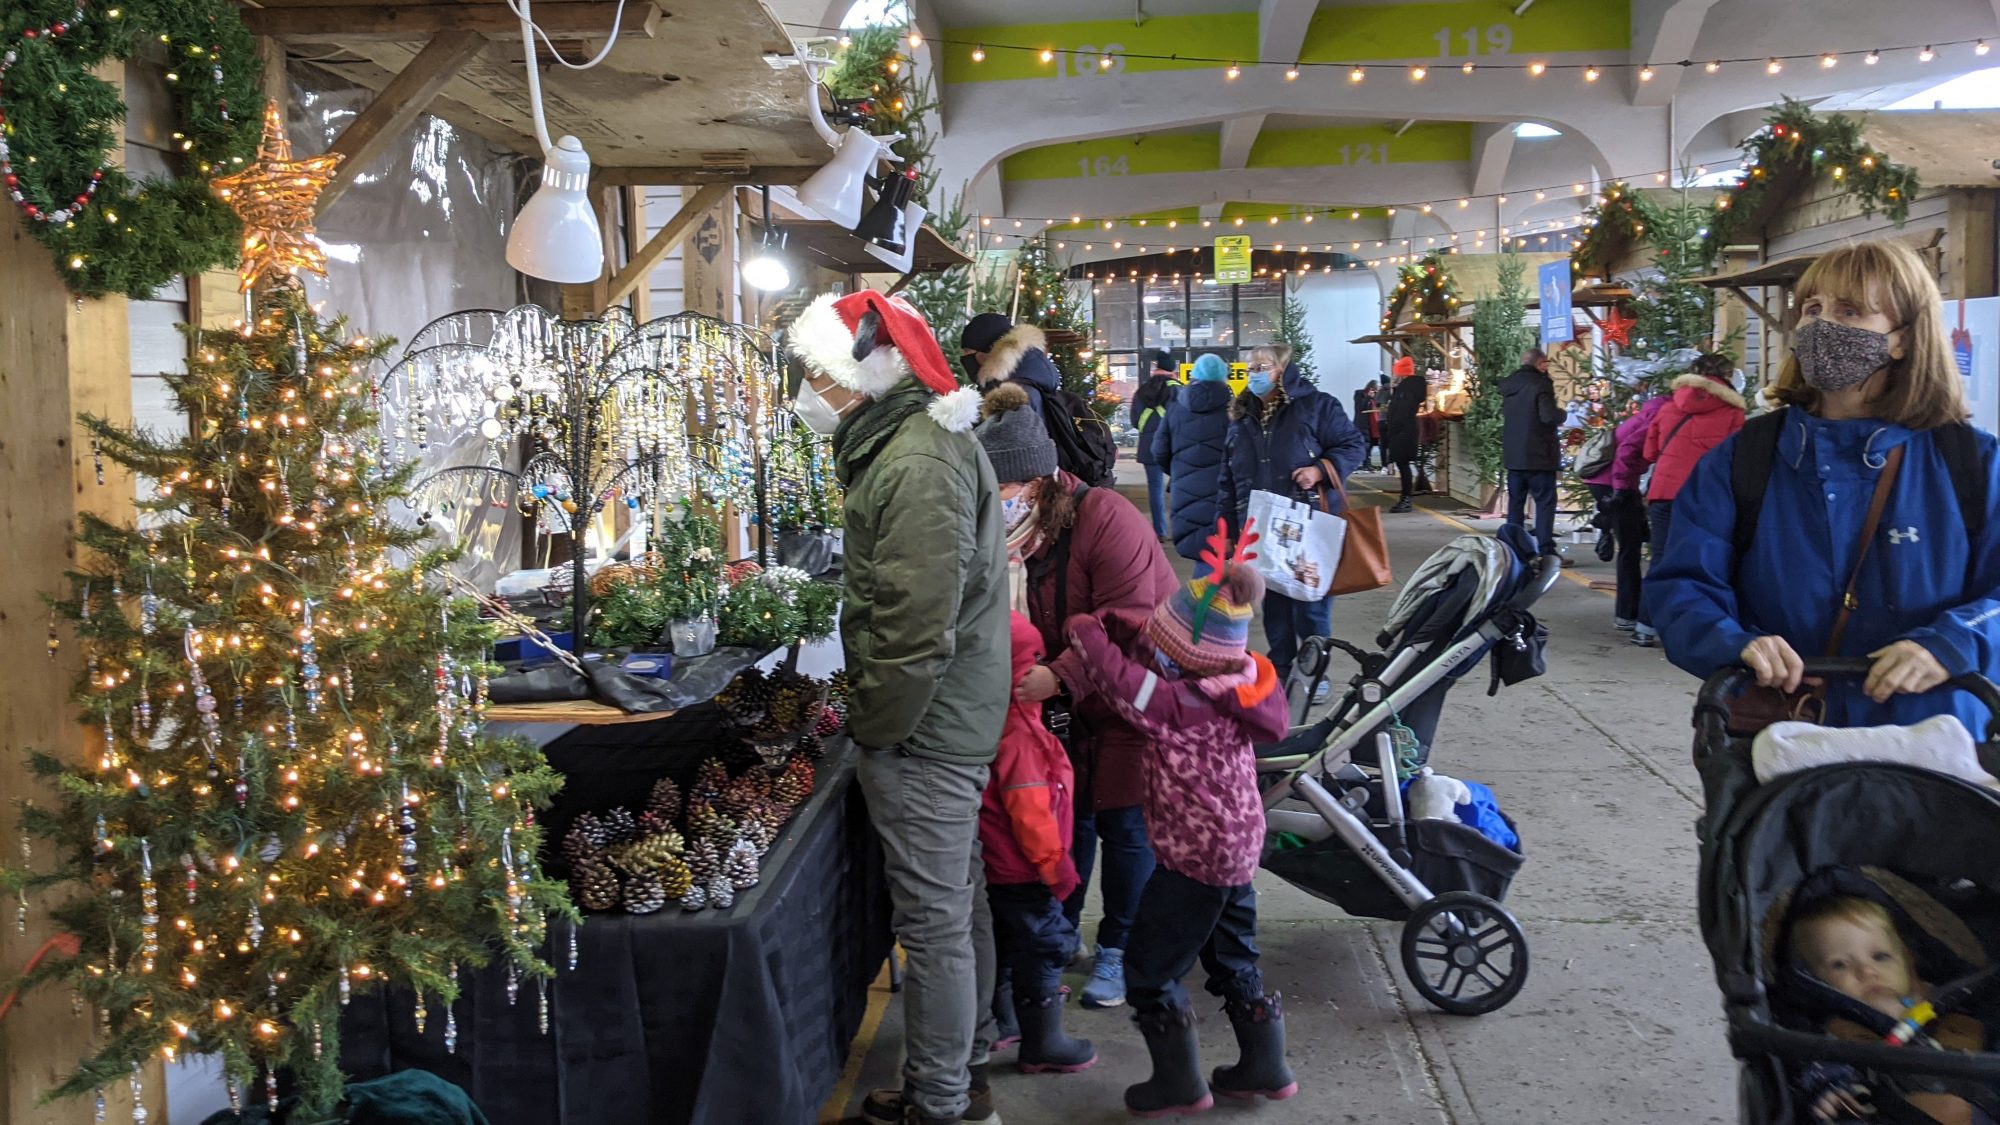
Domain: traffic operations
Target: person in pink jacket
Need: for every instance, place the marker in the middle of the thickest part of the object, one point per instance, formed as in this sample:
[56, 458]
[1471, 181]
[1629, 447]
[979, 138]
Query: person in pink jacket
[1705, 411]
[1183, 677]
[1025, 821]
[1627, 507]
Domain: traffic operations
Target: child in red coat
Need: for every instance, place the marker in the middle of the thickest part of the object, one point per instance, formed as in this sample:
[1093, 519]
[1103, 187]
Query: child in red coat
[1025, 823]
[1184, 678]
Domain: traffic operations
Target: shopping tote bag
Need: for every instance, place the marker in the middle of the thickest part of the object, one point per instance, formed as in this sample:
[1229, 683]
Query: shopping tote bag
[1364, 553]
[1299, 545]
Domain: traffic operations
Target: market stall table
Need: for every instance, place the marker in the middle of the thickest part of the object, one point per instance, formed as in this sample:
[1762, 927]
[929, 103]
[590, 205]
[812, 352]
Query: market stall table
[724, 1016]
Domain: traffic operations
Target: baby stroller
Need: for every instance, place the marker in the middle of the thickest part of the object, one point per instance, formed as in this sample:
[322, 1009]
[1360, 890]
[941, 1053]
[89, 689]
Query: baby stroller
[1919, 843]
[1325, 784]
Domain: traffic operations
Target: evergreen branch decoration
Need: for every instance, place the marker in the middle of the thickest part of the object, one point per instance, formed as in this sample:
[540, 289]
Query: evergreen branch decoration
[289, 797]
[61, 121]
[1500, 333]
[1292, 330]
[1798, 148]
[1427, 281]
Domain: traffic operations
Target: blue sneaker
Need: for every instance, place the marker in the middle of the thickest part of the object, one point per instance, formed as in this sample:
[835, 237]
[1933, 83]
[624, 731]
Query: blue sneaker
[1107, 980]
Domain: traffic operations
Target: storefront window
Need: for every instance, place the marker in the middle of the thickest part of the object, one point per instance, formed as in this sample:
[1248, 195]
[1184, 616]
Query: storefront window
[1260, 303]
[1211, 317]
[1165, 321]
[1117, 304]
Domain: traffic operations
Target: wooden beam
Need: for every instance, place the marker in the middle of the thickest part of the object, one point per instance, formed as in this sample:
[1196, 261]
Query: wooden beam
[635, 271]
[664, 175]
[58, 356]
[348, 23]
[1775, 320]
[590, 298]
[902, 283]
[407, 95]
[635, 230]
[1969, 260]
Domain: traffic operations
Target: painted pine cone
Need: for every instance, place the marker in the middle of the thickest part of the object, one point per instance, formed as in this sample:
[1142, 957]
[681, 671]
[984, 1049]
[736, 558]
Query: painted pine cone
[708, 782]
[675, 877]
[703, 861]
[595, 885]
[721, 895]
[620, 827]
[695, 899]
[795, 785]
[644, 893]
[741, 867]
[706, 822]
[742, 794]
[579, 845]
[649, 854]
[665, 801]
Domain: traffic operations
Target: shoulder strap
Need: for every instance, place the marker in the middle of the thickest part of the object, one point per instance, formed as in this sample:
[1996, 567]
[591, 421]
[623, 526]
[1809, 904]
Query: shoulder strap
[1960, 447]
[1756, 453]
[1884, 485]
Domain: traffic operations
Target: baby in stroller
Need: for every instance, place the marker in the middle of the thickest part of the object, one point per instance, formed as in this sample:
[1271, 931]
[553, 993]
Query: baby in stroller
[1851, 945]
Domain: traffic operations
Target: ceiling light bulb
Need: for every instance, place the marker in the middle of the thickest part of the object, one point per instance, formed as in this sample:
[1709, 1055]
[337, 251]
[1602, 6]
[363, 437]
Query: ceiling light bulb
[1104, 62]
[769, 273]
[1829, 60]
[1590, 74]
[1926, 54]
[1048, 56]
[1464, 203]
[1417, 73]
[1773, 66]
[1234, 72]
[1468, 68]
[1292, 74]
[1873, 58]
[1356, 75]
[979, 53]
[1980, 48]
[916, 39]
[1645, 74]
[1538, 68]
[1713, 67]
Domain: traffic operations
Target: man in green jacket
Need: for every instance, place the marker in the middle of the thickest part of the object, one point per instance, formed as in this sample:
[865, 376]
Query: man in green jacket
[924, 625]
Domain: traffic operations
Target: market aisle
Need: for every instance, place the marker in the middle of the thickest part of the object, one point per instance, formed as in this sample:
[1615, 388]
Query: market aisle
[1592, 761]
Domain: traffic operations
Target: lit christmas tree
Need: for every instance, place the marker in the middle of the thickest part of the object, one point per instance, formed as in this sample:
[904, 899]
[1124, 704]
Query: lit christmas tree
[293, 799]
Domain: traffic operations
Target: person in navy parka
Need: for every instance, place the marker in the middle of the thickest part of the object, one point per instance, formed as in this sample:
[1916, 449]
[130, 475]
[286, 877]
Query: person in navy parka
[1192, 441]
[1871, 384]
[1281, 427]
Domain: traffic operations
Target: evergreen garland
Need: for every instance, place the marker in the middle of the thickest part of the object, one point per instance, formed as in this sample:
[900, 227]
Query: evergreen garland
[61, 121]
[776, 609]
[1428, 281]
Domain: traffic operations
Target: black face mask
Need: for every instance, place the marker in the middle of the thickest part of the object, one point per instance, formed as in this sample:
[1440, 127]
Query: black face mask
[971, 362]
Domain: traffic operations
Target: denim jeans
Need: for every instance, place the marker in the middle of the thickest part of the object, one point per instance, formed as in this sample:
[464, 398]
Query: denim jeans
[1659, 523]
[1289, 622]
[927, 815]
[1542, 486]
[1128, 863]
[1156, 497]
[1181, 919]
[1032, 937]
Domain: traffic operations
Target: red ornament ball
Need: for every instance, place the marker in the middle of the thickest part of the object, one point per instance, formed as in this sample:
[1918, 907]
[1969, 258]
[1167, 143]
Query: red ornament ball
[59, 29]
[13, 180]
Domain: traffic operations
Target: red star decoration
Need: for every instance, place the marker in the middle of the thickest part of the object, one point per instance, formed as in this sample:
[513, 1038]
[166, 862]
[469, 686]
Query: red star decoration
[1618, 328]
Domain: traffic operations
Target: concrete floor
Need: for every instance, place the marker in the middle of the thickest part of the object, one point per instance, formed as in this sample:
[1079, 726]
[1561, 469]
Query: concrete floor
[1620, 1020]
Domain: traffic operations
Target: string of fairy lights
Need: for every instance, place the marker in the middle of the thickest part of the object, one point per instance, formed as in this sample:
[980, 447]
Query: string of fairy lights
[978, 51]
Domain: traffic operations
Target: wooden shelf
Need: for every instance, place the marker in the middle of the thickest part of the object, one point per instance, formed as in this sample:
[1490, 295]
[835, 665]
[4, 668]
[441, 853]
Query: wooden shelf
[584, 712]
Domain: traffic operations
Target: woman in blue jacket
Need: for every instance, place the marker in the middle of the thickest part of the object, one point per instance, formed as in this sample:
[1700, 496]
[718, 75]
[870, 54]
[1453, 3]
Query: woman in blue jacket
[1869, 392]
[1281, 427]
[1192, 441]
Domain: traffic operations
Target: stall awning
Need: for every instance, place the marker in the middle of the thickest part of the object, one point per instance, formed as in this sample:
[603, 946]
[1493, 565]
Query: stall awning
[1599, 296]
[836, 248]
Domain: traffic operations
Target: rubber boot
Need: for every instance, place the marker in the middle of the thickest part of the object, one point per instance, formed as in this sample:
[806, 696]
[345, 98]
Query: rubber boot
[1260, 1072]
[1044, 1046]
[1176, 1088]
[1006, 1023]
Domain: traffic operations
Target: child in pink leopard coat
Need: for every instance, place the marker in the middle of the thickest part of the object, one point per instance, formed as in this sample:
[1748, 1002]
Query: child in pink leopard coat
[1184, 678]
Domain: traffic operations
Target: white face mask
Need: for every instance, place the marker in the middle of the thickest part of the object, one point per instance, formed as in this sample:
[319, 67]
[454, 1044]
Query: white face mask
[812, 410]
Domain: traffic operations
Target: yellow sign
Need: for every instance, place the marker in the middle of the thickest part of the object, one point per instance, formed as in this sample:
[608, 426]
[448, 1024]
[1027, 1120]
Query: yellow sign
[1453, 31]
[1239, 375]
[1232, 259]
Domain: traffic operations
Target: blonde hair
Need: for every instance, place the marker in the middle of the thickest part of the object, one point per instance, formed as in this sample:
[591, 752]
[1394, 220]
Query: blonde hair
[1278, 355]
[1922, 390]
[1853, 910]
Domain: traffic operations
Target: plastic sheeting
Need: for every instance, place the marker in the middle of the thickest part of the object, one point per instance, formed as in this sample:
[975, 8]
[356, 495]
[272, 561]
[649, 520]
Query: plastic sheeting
[422, 232]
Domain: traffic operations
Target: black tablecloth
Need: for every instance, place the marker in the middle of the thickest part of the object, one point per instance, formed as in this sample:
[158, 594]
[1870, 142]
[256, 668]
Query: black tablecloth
[732, 1016]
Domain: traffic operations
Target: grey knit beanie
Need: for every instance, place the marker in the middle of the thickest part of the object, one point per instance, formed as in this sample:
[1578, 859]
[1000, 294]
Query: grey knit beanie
[1015, 440]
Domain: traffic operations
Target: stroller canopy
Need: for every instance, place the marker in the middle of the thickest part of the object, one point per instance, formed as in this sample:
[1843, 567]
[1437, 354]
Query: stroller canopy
[1451, 589]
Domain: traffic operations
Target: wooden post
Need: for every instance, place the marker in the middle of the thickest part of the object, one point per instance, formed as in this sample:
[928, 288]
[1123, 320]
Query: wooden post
[1969, 260]
[639, 266]
[58, 357]
[635, 232]
[591, 297]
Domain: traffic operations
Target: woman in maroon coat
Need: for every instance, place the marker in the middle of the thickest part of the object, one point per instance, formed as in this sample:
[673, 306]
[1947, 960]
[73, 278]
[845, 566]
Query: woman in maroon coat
[1077, 550]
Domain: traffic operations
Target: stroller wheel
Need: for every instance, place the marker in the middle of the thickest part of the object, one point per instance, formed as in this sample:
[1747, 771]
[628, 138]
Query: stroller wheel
[1465, 953]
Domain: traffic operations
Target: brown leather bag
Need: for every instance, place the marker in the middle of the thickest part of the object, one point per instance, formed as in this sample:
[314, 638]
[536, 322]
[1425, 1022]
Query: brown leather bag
[1364, 554]
[1759, 707]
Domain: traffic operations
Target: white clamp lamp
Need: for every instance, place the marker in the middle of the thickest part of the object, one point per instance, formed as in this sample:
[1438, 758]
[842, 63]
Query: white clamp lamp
[556, 237]
[835, 192]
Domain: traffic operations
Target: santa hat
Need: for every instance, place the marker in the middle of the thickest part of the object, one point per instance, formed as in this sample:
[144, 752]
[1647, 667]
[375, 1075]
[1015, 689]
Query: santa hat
[869, 343]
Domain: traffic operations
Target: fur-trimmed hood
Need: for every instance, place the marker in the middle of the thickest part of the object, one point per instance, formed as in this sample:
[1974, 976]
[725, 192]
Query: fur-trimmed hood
[1691, 391]
[1023, 353]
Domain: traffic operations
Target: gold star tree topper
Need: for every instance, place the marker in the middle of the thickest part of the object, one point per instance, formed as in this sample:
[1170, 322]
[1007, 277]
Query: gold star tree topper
[276, 197]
